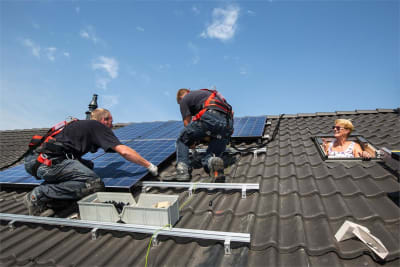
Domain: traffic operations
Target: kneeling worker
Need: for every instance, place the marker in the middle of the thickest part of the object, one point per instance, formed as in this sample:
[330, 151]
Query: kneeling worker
[69, 177]
[212, 119]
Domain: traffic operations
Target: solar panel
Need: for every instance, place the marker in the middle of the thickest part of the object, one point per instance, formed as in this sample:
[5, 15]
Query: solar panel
[136, 130]
[249, 127]
[169, 130]
[18, 175]
[116, 172]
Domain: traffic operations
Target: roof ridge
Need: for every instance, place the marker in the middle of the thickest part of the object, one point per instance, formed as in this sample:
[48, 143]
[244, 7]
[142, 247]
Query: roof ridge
[357, 111]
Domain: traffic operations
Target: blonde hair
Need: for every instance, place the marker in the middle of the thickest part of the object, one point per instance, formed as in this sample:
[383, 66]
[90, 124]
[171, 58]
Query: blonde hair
[99, 114]
[345, 123]
[180, 93]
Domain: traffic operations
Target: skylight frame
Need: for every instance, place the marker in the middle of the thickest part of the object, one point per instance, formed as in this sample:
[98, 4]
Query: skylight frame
[317, 139]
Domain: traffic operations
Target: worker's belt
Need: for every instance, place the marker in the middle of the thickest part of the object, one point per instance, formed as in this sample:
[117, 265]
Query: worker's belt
[216, 111]
[49, 160]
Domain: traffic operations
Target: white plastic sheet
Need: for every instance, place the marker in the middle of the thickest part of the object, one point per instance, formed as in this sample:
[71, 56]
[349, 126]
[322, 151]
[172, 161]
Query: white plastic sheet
[350, 229]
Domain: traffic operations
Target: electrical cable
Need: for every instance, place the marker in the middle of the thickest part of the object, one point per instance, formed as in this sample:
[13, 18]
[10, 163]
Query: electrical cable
[151, 239]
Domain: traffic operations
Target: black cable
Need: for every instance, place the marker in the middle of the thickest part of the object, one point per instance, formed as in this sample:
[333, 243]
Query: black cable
[21, 157]
[250, 149]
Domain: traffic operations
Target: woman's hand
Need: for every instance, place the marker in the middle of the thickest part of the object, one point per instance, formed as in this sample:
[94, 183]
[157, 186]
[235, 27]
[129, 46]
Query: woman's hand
[364, 154]
[325, 145]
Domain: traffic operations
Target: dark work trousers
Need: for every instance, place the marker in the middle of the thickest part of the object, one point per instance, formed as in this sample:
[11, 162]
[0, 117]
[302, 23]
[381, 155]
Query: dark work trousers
[67, 180]
[213, 124]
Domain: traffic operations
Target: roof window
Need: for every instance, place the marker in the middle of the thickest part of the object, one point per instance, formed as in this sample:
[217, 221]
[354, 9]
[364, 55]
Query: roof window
[365, 145]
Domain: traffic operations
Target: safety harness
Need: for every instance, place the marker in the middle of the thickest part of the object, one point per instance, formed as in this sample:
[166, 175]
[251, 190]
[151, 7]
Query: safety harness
[217, 102]
[46, 146]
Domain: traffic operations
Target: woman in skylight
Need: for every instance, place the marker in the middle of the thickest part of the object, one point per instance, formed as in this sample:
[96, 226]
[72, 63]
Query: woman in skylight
[340, 147]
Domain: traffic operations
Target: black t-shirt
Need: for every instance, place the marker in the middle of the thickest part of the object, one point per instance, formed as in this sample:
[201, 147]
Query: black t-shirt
[193, 102]
[86, 136]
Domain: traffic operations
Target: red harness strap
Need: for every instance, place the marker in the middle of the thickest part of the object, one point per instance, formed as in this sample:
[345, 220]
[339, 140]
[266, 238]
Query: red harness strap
[38, 140]
[213, 102]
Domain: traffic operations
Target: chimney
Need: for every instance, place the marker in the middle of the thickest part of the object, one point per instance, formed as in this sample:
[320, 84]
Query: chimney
[92, 106]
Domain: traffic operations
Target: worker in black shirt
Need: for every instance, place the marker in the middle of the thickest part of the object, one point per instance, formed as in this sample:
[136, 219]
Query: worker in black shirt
[205, 114]
[70, 177]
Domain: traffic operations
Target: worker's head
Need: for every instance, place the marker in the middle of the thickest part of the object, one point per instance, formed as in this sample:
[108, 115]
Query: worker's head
[102, 115]
[181, 93]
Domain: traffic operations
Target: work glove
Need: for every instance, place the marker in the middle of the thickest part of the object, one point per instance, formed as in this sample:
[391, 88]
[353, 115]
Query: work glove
[153, 169]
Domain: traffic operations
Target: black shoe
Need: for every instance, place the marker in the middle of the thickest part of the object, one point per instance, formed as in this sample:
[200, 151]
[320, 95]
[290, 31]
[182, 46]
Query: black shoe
[216, 167]
[35, 208]
[182, 172]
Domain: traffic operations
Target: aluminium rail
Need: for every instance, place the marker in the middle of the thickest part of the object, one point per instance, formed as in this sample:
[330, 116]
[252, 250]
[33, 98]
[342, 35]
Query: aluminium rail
[226, 237]
[211, 186]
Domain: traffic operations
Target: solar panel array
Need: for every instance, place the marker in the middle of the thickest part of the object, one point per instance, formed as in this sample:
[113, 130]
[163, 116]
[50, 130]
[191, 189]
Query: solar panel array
[155, 141]
[249, 127]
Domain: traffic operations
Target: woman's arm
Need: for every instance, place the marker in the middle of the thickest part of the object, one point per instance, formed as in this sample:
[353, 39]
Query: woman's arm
[358, 152]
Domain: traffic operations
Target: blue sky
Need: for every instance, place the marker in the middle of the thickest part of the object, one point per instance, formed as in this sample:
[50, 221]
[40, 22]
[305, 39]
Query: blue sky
[265, 57]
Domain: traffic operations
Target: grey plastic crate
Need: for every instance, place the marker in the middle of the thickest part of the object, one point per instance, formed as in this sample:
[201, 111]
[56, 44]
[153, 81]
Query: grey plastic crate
[91, 207]
[144, 212]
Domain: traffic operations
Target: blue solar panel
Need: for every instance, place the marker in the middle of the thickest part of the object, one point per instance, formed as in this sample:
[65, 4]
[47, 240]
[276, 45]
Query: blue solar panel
[249, 126]
[18, 175]
[169, 130]
[137, 130]
[115, 171]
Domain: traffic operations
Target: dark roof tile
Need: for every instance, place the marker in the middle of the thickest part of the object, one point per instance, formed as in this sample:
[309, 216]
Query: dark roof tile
[292, 219]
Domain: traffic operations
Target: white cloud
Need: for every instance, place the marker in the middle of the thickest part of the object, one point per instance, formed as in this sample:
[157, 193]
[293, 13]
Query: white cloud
[66, 54]
[193, 48]
[195, 10]
[251, 12]
[138, 28]
[77, 10]
[35, 48]
[162, 67]
[110, 100]
[50, 53]
[89, 33]
[102, 82]
[224, 23]
[36, 26]
[107, 64]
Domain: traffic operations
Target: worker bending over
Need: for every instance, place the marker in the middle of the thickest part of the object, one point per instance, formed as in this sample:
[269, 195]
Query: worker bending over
[69, 177]
[205, 114]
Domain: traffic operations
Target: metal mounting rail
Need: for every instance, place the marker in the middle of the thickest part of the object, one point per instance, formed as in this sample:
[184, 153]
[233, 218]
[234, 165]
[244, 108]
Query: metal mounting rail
[231, 150]
[226, 237]
[228, 150]
[211, 186]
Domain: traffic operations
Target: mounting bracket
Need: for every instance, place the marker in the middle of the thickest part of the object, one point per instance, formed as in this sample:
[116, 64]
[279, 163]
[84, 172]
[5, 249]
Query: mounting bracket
[94, 233]
[227, 246]
[11, 225]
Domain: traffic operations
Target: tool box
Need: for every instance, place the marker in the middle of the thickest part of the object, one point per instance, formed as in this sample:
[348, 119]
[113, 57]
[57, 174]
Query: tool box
[151, 209]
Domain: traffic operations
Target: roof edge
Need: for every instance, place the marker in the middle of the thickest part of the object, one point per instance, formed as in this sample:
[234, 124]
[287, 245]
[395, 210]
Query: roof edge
[355, 112]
